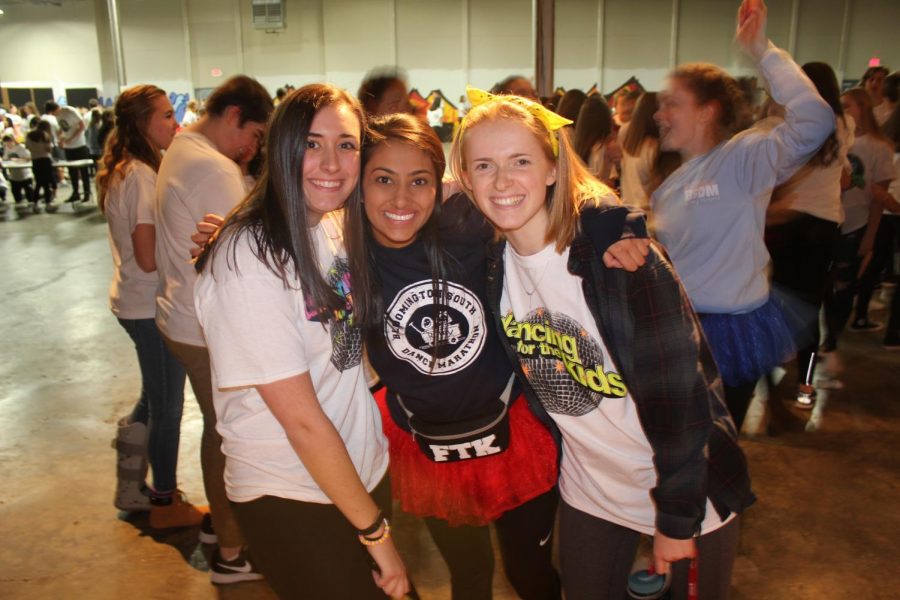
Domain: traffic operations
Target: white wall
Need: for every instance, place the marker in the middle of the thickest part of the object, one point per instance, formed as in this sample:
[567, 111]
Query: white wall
[444, 44]
[154, 44]
[48, 46]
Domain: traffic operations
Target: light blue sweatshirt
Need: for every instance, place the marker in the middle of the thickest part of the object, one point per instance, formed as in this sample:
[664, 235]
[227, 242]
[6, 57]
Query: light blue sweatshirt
[710, 213]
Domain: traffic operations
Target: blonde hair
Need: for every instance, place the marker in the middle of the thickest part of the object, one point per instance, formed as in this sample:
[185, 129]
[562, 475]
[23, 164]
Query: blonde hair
[575, 187]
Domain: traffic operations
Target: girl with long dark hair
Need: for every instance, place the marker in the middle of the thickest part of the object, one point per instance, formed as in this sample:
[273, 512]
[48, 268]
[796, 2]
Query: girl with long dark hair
[465, 449]
[802, 227]
[39, 142]
[306, 459]
[643, 166]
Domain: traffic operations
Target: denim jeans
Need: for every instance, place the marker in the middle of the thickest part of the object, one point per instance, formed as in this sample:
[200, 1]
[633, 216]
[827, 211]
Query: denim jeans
[161, 401]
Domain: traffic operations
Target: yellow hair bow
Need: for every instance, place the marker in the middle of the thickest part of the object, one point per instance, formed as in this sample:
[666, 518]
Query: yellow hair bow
[552, 121]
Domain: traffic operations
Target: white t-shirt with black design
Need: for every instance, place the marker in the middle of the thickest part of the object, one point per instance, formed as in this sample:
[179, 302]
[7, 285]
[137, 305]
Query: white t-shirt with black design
[259, 332]
[607, 462]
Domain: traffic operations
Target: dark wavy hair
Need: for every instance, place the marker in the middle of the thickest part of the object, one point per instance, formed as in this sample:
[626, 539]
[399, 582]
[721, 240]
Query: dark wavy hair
[643, 126]
[823, 77]
[128, 140]
[368, 305]
[594, 124]
[244, 92]
[570, 105]
[274, 214]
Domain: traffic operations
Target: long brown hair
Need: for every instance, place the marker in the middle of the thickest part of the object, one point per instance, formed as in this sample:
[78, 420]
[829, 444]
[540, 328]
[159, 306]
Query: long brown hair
[274, 214]
[575, 187]
[594, 124]
[642, 127]
[128, 140]
[358, 240]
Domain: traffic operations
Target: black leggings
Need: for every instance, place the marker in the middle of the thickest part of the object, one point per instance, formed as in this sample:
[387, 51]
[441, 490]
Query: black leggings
[738, 398]
[843, 284]
[21, 190]
[596, 558]
[882, 256]
[525, 547]
[79, 173]
[44, 179]
[308, 550]
[802, 251]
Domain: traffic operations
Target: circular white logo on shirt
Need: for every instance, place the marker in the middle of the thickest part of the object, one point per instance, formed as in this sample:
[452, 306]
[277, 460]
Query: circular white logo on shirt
[436, 339]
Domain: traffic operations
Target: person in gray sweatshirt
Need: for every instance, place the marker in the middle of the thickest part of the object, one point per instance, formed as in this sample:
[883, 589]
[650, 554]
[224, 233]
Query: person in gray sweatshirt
[710, 213]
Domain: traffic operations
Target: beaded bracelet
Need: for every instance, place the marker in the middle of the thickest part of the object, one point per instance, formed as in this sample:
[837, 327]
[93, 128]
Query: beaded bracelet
[385, 536]
[373, 527]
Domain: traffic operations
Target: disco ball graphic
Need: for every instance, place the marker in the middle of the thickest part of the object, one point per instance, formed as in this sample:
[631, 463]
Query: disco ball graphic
[554, 385]
[346, 339]
[346, 342]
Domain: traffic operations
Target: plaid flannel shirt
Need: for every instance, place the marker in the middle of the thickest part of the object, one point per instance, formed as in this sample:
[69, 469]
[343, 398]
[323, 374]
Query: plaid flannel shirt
[653, 335]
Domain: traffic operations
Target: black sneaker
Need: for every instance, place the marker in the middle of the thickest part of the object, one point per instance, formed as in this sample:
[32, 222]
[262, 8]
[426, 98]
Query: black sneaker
[232, 571]
[860, 325]
[207, 534]
[73, 198]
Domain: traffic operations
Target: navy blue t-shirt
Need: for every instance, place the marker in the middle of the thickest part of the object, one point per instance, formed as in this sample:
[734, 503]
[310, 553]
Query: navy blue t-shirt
[442, 378]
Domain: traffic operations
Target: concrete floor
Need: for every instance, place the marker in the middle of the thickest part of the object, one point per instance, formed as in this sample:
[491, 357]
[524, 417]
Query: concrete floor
[826, 524]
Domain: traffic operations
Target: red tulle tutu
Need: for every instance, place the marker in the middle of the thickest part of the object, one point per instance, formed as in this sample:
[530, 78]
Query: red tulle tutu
[475, 491]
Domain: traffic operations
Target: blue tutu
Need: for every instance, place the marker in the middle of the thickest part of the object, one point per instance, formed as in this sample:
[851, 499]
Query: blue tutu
[748, 345]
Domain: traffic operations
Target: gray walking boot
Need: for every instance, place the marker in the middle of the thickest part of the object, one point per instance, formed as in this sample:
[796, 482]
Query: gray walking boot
[131, 466]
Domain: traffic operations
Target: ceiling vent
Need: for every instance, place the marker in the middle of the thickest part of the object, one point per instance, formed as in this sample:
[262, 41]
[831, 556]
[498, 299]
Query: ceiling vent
[267, 14]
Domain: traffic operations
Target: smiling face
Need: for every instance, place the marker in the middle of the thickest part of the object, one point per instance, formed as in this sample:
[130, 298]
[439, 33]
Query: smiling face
[507, 170]
[399, 187]
[331, 160]
[685, 126]
[162, 125]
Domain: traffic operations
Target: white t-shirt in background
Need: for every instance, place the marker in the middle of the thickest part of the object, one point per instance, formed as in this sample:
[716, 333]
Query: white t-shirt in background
[816, 190]
[871, 161]
[69, 120]
[636, 174]
[54, 126]
[607, 462]
[129, 203]
[259, 332]
[194, 179]
[894, 188]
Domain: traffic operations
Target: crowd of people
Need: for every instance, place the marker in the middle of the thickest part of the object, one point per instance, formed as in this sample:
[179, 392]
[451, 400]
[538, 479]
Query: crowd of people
[571, 323]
